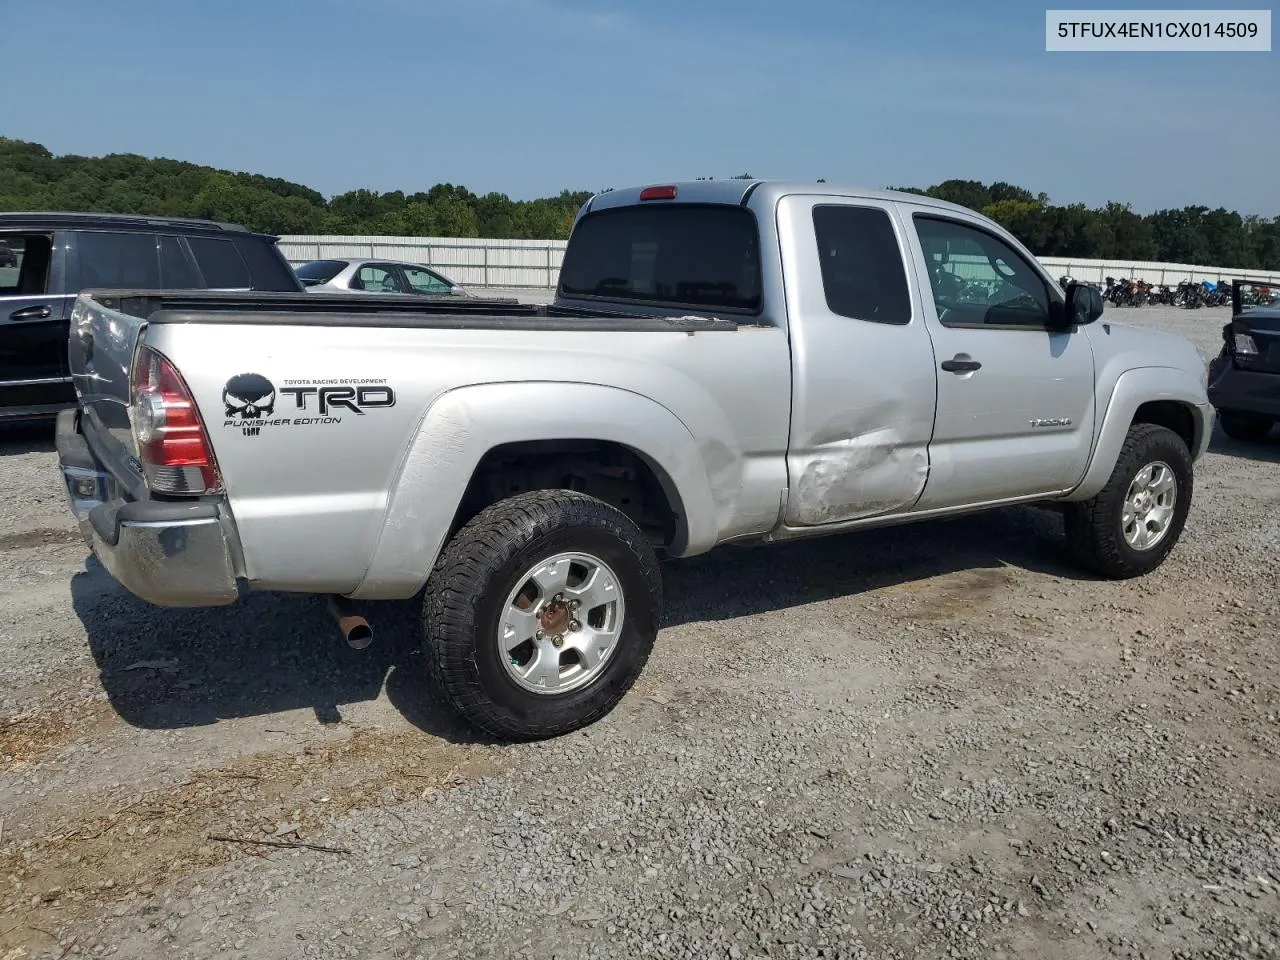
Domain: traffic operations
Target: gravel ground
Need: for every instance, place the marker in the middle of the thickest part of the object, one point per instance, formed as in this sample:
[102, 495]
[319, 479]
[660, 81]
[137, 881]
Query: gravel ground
[940, 740]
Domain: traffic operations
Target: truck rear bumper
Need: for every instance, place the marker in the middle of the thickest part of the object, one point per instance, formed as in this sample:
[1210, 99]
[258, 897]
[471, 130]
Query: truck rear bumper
[170, 554]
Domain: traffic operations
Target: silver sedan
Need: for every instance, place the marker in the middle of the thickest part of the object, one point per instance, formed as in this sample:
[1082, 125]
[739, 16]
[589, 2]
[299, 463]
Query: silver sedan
[376, 276]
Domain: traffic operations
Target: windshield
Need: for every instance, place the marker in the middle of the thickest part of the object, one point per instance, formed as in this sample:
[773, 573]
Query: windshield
[678, 255]
[319, 271]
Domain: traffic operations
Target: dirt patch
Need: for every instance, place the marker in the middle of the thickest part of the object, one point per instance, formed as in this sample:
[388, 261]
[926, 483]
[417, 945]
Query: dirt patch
[943, 597]
[160, 836]
[25, 737]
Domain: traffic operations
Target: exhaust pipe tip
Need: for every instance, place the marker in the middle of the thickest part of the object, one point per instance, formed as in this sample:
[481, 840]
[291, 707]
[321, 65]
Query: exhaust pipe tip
[355, 629]
[357, 633]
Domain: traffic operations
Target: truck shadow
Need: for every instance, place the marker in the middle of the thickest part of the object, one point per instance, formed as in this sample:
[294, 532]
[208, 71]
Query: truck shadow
[741, 581]
[272, 653]
[267, 654]
[20, 438]
[1263, 451]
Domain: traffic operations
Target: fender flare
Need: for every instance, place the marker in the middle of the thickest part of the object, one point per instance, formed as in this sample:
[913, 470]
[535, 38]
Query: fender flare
[1133, 388]
[462, 425]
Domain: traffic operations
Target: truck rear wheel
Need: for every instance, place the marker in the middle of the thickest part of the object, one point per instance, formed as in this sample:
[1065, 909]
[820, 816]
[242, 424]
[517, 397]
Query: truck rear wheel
[1130, 526]
[541, 613]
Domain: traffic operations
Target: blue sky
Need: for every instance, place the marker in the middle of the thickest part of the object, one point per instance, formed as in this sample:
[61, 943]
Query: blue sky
[529, 97]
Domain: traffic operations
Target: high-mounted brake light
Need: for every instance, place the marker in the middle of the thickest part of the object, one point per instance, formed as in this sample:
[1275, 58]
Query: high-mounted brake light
[658, 193]
[171, 440]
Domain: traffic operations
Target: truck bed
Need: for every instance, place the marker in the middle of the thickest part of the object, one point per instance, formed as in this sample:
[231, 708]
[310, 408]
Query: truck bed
[384, 310]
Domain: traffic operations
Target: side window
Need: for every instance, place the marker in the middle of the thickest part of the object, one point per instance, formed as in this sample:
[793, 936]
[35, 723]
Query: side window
[863, 274]
[379, 279]
[978, 280]
[24, 264]
[176, 272]
[424, 281]
[120, 261]
[270, 271]
[220, 263]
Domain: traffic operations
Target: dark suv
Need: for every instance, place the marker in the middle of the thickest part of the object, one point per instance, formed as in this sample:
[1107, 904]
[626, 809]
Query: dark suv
[56, 255]
[1244, 379]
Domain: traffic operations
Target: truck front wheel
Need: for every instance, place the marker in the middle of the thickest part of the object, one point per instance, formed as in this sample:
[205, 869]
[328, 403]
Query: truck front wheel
[1130, 526]
[541, 613]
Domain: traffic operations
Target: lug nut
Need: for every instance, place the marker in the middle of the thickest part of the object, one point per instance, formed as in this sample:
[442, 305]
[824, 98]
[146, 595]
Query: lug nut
[574, 625]
[557, 640]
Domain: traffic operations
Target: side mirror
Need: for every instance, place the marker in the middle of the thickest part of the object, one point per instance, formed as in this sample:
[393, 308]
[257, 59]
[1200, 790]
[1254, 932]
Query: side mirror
[1084, 304]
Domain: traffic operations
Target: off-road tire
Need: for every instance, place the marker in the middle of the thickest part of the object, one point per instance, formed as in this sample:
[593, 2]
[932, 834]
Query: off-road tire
[1094, 532]
[469, 586]
[1249, 427]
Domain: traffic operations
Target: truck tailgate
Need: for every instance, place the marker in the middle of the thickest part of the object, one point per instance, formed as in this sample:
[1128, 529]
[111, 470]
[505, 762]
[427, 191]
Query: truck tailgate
[100, 350]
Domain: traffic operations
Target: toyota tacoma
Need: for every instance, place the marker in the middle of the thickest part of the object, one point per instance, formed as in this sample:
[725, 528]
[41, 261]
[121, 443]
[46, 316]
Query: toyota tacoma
[723, 361]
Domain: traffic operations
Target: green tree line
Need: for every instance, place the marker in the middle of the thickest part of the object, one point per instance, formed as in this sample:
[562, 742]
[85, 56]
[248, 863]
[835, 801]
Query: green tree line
[1193, 234]
[32, 178]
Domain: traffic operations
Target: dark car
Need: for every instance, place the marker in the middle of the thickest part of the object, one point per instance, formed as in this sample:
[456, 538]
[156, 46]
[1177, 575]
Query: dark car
[56, 255]
[1244, 379]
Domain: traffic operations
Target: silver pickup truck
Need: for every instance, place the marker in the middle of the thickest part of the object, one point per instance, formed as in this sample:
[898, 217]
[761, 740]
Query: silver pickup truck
[723, 361]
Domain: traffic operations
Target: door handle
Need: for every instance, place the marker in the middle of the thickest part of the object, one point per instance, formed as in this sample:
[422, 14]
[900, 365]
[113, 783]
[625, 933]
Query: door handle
[960, 363]
[41, 312]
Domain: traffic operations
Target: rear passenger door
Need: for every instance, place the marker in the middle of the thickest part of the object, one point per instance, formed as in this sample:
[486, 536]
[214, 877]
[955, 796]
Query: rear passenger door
[864, 384]
[34, 315]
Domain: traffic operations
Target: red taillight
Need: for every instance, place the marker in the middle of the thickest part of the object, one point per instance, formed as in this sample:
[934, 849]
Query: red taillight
[658, 193]
[172, 443]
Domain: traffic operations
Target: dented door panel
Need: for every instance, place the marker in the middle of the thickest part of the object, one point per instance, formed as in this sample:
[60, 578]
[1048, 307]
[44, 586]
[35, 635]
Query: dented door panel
[863, 390]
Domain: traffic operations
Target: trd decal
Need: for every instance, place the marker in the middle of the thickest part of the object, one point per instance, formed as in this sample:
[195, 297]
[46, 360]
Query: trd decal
[355, 399]
[249, 396]
[251, 401]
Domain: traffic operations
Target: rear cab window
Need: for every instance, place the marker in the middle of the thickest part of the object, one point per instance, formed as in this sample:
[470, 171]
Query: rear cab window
[704, 257]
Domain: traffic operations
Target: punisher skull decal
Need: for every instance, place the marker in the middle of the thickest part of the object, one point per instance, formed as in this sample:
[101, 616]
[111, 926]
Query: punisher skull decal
[249, 396]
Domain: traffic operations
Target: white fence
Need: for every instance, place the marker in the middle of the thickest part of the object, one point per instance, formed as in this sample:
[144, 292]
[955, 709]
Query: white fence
[536, 263]
[1170, 273]
[471, 262]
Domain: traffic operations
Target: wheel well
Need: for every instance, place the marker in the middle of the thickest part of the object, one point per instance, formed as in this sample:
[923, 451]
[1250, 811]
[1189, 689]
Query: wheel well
[609, 471]
[1169, 413]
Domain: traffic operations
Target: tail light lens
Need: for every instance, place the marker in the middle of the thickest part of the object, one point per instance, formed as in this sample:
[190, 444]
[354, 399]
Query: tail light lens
[1245, 345]
[170, 437]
